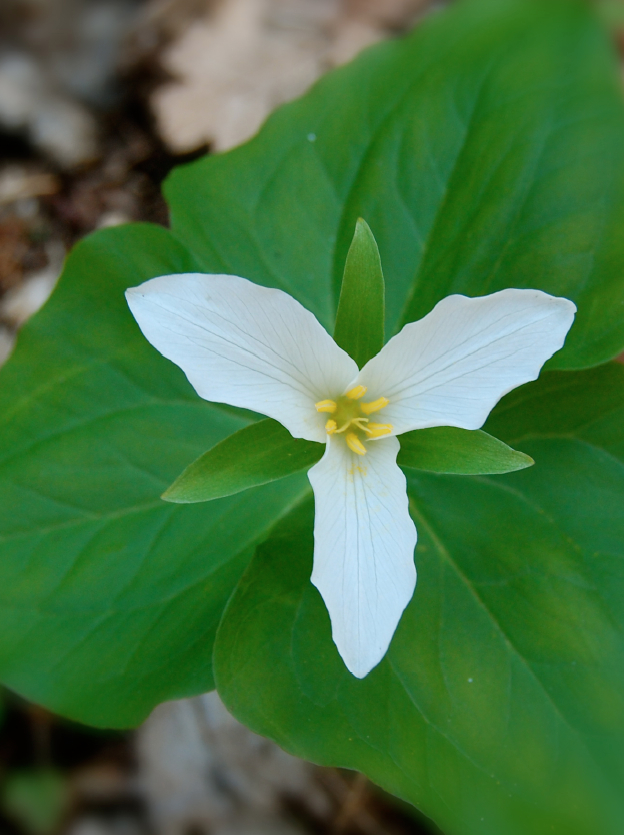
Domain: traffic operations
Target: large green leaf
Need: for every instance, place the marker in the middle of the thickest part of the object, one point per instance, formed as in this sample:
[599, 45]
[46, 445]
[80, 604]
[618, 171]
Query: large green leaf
[484, 151]
[528, 412]
[109, 596]
[497, 705]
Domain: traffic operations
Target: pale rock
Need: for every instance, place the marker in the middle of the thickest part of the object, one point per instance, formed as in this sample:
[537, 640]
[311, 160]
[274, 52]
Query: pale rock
[201, 769]
[234, 67]
[352, 36]
[7, 341]
[56, 123]
[22, 301]
[236, 64]
[113, 218]
[231, 75]
[19, 183]
[110, 825]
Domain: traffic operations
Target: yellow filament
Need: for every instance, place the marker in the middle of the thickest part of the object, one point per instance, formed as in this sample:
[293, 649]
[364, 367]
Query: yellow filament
[354, 444]
[356, 392]
[356, 421]
[326, 406]
[374, 406]
[331, 426]
[376, 430]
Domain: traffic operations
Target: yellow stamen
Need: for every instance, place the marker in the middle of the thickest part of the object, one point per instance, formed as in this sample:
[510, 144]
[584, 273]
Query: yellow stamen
[326, 406]
[331, 426]
[356, 392]
[376, 430]
[375, 405]
[354, 444]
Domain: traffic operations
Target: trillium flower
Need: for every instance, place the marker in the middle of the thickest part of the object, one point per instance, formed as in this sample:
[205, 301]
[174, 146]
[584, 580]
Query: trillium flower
[258, 348]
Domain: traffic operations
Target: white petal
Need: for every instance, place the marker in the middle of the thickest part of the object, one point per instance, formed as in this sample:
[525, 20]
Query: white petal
[364, 541]
[452, 367]
[245, 345]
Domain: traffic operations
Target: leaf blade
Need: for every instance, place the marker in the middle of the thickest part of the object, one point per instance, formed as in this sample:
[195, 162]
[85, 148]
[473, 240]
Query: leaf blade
[552, 406]
[255, 455]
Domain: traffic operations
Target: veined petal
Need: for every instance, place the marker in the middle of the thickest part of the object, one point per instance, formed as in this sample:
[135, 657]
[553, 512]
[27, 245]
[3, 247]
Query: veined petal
[452, 367]
[364, 541]
[245, 345]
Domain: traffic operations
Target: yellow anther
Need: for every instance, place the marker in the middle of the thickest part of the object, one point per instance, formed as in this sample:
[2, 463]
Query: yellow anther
[326, 406]
[331, 426]
[354, 444]
[356, 392]
[374, 406]
[376, 430]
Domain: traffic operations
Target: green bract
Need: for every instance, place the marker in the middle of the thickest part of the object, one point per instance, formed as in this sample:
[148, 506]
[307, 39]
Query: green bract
[482, 151]
[257, 454]
[446, 449]
[360, 320]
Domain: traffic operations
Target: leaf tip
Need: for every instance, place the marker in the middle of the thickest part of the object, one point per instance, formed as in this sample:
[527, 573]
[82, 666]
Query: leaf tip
[525, 461]
[362, 226]
[170, 495]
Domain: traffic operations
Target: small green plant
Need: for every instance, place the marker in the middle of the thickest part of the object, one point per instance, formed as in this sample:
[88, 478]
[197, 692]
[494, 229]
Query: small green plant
[482, 151]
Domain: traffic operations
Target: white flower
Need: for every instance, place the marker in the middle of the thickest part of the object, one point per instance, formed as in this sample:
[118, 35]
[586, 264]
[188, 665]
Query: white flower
[258, 348]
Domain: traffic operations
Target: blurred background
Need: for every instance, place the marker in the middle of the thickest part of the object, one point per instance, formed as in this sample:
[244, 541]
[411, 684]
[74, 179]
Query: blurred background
[99, 99]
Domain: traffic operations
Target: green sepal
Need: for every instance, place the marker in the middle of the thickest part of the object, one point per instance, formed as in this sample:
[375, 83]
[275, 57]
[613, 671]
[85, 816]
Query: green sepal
[447, 449]
[360, 322]
[255, 455]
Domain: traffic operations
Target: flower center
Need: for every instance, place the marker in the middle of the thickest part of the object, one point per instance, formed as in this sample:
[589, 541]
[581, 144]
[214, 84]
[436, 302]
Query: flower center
[350, 417]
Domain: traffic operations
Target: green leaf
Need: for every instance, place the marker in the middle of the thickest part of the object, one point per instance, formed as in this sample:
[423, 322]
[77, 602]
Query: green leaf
[110, 597]
[497, 708]
[360, 323]
[552, 407]
[255, 455]
[484, 151]
[446, 449]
